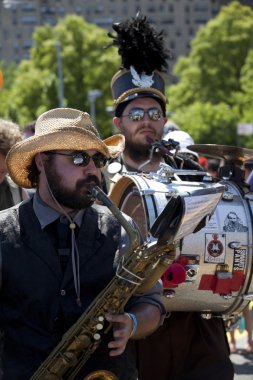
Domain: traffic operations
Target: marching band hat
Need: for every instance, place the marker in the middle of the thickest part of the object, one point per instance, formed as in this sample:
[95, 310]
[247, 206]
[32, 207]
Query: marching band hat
[144, 62]
[59, 129]
[125, 88]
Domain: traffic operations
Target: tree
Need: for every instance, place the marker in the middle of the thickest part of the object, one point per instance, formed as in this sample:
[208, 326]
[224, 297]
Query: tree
[86, 65]
[214, 78]
[8, 75]
[198, 117]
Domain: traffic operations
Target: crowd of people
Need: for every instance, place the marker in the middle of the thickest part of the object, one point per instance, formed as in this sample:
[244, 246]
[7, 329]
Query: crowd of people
[59, 247]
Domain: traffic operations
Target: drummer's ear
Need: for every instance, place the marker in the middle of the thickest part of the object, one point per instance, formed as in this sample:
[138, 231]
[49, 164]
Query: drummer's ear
[116, 122]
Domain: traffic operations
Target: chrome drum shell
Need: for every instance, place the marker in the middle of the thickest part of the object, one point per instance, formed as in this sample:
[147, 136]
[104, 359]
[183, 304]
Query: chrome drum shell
[216, 262]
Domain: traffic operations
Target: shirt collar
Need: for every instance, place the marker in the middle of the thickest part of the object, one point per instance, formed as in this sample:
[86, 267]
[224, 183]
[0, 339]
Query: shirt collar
[47, 215]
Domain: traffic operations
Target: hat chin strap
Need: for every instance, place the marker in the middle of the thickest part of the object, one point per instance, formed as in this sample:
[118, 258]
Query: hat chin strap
[74, 249]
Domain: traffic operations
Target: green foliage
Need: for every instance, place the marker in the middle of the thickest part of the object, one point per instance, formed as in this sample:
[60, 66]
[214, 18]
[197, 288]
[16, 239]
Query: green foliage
[34, 92]
[215, 80]
[86, 65]
[8, 78]
[207, 122]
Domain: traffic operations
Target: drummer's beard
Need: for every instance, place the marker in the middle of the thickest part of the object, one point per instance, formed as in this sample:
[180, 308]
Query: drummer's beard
[139, 152]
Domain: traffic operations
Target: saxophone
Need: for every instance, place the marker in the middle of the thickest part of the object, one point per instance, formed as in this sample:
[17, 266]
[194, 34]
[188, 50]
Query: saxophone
[83, 338]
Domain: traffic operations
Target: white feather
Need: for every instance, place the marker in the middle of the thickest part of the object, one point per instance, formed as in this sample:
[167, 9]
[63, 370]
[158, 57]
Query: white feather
[142, 80]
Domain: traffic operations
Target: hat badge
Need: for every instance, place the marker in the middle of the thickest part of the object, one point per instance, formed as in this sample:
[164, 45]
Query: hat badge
[142, 80]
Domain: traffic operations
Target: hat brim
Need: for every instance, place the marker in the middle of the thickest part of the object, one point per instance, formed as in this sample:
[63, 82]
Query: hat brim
[143, 94]
[137, 95]
[21, 155]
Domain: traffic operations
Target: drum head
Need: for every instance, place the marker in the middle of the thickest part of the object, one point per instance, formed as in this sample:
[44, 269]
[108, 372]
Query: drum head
[127, 197]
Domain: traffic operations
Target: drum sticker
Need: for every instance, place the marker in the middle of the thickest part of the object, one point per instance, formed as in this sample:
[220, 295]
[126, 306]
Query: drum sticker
[191, 267]
[212, 224]
[234, 223]
[240, 257]
[183, 269]
[214, 251]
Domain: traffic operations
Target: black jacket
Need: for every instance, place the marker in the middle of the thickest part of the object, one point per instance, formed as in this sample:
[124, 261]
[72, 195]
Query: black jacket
[38, 302]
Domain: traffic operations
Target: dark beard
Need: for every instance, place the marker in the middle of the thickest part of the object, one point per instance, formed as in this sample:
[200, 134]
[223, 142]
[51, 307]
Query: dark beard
[76, 199]
[140, 153]
[137, 152]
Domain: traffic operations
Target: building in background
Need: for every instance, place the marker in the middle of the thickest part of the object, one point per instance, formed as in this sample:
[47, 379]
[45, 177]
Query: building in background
[179, 19]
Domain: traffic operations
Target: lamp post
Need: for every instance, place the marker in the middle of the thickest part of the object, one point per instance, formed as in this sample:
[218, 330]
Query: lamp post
[111, 112]
[60, 77]
[92, 96]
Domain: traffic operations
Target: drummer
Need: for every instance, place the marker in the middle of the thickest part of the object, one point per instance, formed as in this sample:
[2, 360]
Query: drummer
[186, 347]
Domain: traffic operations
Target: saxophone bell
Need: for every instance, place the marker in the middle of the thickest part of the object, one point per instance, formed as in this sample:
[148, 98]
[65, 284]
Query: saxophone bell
[101, 375]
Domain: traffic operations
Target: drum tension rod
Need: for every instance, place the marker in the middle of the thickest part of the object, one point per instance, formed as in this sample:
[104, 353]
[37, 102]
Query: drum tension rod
[238, 245]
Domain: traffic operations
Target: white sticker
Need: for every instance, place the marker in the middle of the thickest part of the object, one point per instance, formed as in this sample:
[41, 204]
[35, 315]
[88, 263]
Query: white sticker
[215, 251]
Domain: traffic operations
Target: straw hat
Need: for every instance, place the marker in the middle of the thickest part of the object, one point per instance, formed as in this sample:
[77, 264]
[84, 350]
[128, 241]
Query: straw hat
[59, 129]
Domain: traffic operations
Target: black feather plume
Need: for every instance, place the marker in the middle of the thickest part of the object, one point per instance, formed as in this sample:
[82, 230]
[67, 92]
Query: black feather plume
[140, 45]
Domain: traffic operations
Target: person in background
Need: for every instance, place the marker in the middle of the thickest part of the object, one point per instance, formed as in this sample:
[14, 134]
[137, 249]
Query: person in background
[203, 162]
[186, 346]
[10, 193]
[248, 167]
[213, 167]
[29, 130]
[184, 140]
[247, 319]
[169, 126]
[59, 251]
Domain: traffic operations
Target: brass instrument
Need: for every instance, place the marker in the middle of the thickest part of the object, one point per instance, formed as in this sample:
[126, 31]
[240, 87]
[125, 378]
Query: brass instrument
[101, 375]
[83, 338]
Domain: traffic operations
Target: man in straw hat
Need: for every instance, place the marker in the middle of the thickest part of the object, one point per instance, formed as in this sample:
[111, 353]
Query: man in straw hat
[59, 250]
[186, 346]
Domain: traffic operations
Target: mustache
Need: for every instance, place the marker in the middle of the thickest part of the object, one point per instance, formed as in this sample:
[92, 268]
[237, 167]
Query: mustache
[145, 126]
[89, 180]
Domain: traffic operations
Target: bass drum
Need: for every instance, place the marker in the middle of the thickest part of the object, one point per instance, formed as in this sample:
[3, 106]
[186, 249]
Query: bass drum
[212, 272]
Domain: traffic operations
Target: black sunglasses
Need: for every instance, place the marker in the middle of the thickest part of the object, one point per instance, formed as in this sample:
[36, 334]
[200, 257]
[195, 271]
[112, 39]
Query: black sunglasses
[137, 114]
[83, 159]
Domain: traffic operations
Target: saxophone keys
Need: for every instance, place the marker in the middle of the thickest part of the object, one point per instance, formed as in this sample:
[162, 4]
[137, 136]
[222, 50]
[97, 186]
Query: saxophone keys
[84, 340]
[79, 342]
[97, 336]
[69, 357]
[99, 326]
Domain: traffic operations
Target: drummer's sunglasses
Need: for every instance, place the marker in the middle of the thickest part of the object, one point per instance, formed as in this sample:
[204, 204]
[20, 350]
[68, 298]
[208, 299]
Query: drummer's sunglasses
[83, 159]
[137, 114]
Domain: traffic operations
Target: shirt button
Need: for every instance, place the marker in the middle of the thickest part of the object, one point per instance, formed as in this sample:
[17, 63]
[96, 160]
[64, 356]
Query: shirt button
[63, 292]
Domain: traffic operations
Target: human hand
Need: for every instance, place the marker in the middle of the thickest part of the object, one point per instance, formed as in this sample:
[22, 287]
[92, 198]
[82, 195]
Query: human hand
[122, 330]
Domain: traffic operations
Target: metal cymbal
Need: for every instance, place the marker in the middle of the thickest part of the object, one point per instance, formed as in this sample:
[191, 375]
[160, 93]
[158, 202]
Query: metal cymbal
[228, 153]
